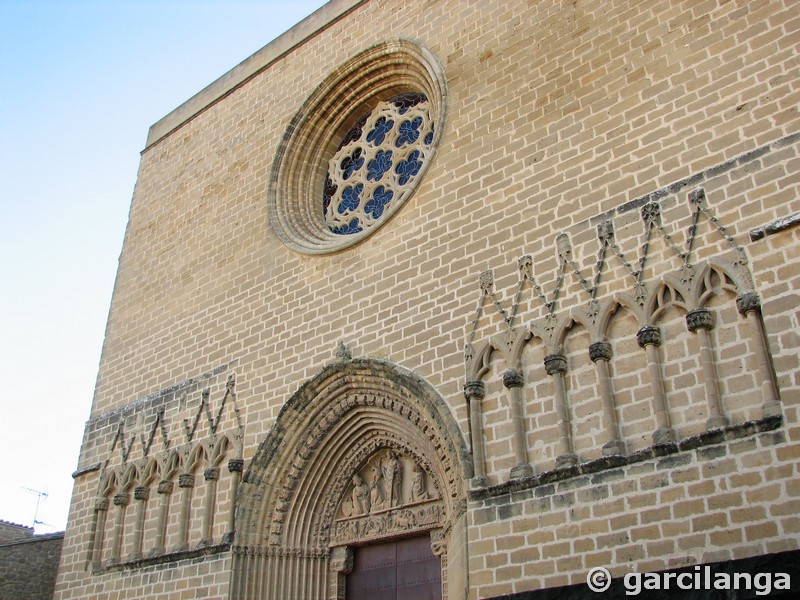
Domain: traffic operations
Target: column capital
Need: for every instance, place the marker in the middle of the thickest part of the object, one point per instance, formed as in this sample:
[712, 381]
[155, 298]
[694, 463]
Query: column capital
[342, 560]
[474, 389]
[211, 474]
[600, 351]
[186, 480]
[648, 336]
[512, 378]
[141, 493]
[121, 500]
[438, 543]
[165, 487]
[699, 318]
[236, 465]
[555, 363]
[748, 302]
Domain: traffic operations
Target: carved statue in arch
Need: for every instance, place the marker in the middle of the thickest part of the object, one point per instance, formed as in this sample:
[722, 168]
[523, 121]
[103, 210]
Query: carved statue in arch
[360, 496]
[377, 494]
[393, 475]
[391, 504]
[418, 489]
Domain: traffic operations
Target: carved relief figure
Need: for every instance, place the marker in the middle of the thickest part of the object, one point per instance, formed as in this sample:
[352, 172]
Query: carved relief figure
[404, 519]
[376, 492]
[418, 491]
[393, 476]
[360, 496]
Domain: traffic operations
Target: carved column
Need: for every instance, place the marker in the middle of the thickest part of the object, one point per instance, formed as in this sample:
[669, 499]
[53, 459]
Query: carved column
[100, 514]
[165, 492]
[121, 502]
[186, 483]
[600, 354]
[235, 467]
[475, 392]
[512, 380]
[699, 322]
[556, 367]
[649, 338]
[140, 494]
[211, 476]
[439, 548]
[341, 563]
[749, 305]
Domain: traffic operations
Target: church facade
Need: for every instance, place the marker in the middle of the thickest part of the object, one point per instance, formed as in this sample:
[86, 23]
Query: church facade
[459, 300]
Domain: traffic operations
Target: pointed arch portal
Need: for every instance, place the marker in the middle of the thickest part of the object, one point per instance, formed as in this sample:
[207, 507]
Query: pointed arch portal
[364, 453]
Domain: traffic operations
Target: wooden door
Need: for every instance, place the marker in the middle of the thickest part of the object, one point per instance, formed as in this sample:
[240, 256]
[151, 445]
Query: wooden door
[401, 570]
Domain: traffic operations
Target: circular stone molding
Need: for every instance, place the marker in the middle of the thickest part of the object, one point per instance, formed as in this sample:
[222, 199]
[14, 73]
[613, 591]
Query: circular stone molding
[315, 145]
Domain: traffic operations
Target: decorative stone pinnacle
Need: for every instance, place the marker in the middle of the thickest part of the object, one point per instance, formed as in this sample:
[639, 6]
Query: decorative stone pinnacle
[235, 465]
[487, 280]
[343, 352]
[648, 335]
[512, 378]
[563, 245]
[555, 363]
[698, 197]
[525, 265]
[600, 351]
[651, 213]
[747, 302]
[474, 389]
[605, 231]
[699, 318]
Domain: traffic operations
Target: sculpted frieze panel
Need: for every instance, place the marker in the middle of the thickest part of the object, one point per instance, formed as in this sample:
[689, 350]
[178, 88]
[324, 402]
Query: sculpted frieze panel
[390, 493]
[389, 479]
[387, 523]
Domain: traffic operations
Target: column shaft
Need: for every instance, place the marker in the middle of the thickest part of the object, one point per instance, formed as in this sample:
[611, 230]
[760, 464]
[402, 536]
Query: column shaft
[474, 392]
[186, 483]
[600, 354]
[512, 379]
[649, 338]
[211, 476]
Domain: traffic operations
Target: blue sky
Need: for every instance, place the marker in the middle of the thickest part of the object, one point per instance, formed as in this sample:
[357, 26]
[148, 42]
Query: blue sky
[80, 84]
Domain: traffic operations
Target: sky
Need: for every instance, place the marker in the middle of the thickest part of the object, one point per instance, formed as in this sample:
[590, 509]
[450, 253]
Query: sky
[80, 84]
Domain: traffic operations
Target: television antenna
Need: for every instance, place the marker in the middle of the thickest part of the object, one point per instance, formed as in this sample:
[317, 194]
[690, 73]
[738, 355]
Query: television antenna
[39, 497]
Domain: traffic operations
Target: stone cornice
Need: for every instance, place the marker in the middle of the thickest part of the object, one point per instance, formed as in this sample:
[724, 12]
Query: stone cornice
[306, 29]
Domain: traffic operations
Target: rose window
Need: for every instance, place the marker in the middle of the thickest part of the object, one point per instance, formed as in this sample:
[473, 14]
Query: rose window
[376, 163]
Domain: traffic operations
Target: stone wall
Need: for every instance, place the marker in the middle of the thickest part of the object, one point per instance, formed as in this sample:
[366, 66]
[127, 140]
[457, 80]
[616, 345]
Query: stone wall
[574, 276]
[28, 567]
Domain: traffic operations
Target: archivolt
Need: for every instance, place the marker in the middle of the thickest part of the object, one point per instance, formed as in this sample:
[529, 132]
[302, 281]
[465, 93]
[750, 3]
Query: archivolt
[326, 431]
